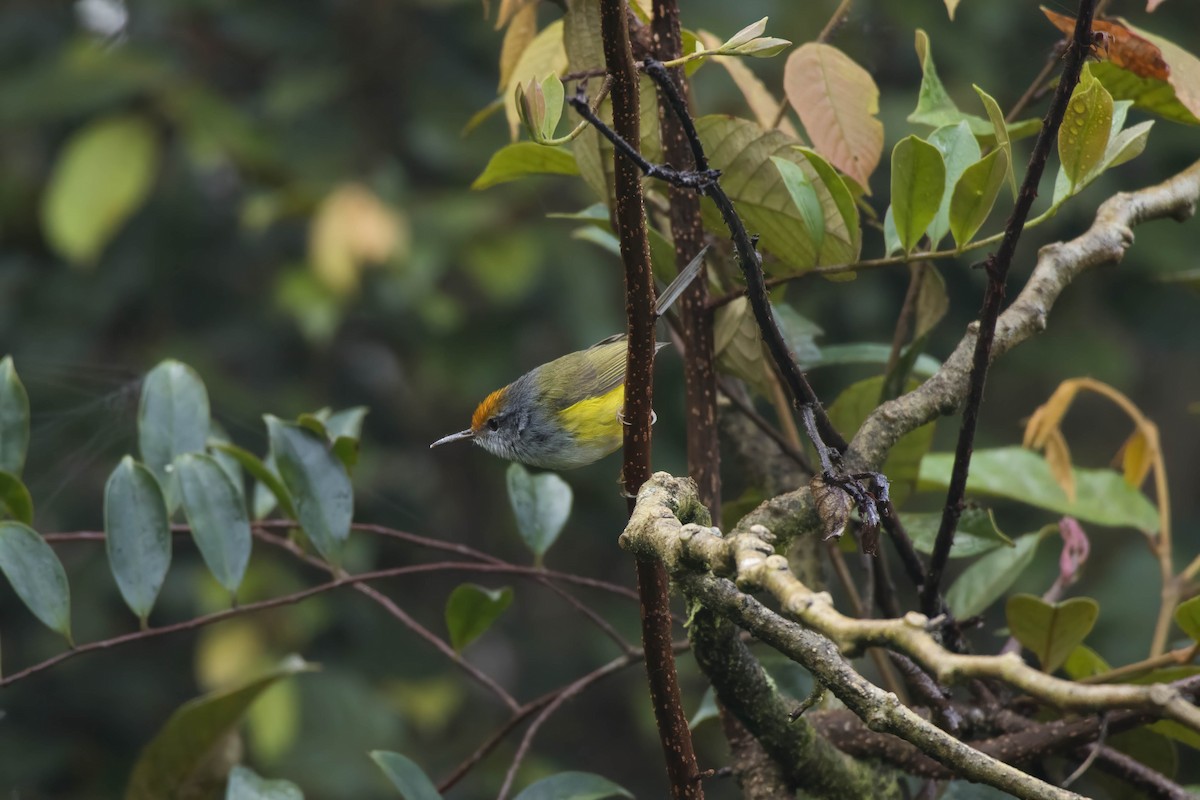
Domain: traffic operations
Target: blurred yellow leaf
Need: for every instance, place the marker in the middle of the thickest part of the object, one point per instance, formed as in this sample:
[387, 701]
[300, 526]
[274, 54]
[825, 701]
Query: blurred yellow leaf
[1047, 418]
[228, 653]
[951, 7]
[102, 176]
[352, 228]
[1058, 459]
[1138, 454]
[518, 36]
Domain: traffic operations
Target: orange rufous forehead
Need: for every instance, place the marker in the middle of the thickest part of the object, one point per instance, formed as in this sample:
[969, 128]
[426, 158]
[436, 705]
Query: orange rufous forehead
[490, 405]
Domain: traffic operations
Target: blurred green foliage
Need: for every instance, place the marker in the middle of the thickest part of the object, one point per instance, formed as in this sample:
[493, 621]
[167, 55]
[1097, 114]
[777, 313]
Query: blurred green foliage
[286, 208]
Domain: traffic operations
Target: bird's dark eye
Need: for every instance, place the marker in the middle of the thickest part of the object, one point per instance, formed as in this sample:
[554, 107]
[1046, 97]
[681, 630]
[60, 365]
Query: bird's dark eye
[493, 424]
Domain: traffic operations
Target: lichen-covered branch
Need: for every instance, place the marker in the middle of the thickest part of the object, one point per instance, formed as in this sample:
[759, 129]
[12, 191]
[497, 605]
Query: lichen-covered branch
[716, 571]
[1110, 235]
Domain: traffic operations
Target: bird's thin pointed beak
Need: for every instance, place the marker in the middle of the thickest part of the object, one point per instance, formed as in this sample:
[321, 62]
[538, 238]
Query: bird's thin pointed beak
[454, 437]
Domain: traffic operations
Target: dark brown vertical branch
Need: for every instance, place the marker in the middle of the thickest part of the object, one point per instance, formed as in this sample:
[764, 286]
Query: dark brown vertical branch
[640, 318]
[997, 266]
[700, 378]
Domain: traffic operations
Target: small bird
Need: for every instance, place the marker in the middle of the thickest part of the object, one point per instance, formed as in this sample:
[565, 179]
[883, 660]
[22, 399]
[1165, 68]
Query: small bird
[565, 413]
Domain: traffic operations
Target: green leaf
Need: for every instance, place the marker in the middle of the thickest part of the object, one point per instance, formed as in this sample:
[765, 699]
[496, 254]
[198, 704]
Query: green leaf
[15, 500]
[265, 476]
[742, 151]
[1086, 125]
[217, 514]
[541, 503]
[799, 332]
[173, 419]
[975, 194]
[573, 786]
[471, 610]
[14, 419]
[751, 31]
[347, 422]
[406, 776]
[1000, 131]
[522, 159]
[543, 55]
[137, 535]
[976, 533]
[233, 468]
[989, 577]
[317, 482]
[1084, 662]
[959, 150]
[918, 179]
[1101, 495]
[188, 755]
[903, 463]
[103, 174]
[245, 784]
[1051, 631]
[36, 575]
[804, 196]
[870, 353]
[1187, 617]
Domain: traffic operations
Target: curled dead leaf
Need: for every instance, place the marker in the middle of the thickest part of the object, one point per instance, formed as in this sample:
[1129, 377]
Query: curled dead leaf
[1120, 45]
[1058, 459]
[1047, 418]
[833, 506]
[1138, 453]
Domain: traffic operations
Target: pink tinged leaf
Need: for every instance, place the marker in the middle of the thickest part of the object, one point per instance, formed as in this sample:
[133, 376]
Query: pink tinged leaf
[837, 100]
[1153, 4]
[1076, 548]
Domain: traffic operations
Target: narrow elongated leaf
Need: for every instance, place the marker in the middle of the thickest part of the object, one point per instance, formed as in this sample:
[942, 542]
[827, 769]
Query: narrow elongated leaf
[14, 419]
[102, 176]
[245, 784]
[959, 150]
[1051, 630]
[173, 419]
[573, 786]
[918, 180]
[317, 483]
[1086, 125]
[217, 514]
[471, 610]
[186, 757]
[137, 535]
[742, 151]
[989, 577]
[870, 353]
[541, 503]
[1000, 128]
[15, 500]
[837, 101]
[36, 575]
[935, 107]
[522, 159]
[804, 195]
[406, 776]
[1187, 617]
[1102, 495]
[232, 467]
[975, 194]
[265, 476]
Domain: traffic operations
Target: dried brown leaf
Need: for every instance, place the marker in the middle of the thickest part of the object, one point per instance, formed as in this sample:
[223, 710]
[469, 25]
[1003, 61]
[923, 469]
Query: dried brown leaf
[1058, 459]
[518, 36]
[1138, 454]
[1047, 418]
[1120, 45]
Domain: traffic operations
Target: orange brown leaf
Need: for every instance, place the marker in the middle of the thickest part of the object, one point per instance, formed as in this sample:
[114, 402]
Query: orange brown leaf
[1120, 45]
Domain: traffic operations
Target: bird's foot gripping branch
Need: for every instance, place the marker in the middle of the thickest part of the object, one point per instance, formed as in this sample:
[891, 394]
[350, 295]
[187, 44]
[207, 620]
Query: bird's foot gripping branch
[720, 574]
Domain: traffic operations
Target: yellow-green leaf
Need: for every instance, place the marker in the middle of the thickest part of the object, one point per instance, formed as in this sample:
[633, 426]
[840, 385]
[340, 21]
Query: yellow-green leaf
[1051, 630]
[522, 159]
[959, 151]
[1000, 130]
[918, 180]
[471, 610]
[102, 176]
[837, 101]
[1187, 617]
[1083, 136]
[542, 55]
[975, 195]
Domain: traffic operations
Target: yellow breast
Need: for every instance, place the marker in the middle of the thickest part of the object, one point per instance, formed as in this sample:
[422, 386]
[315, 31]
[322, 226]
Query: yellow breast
[594, 423]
